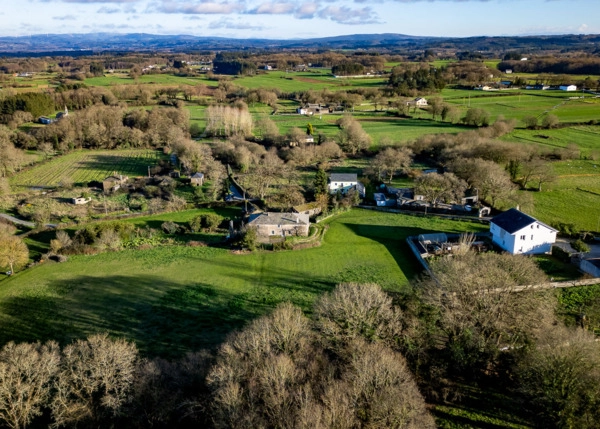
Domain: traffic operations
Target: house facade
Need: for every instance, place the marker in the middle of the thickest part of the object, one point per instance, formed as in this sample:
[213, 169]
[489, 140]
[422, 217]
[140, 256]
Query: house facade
[312, 109]
[344, 182]
[519, 233]
[112, 183]
[568, 88]
[270, 224]
[197, 179]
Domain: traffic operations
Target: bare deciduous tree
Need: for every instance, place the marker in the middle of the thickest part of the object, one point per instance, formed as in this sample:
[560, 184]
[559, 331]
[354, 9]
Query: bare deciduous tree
[26, 376]
[95, 380]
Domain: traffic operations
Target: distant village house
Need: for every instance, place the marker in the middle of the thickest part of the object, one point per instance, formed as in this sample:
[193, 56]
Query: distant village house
[197, 179]
[112, 183]
[344, 182]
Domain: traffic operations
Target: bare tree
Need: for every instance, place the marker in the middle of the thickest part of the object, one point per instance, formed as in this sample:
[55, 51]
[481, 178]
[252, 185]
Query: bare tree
[14, 253]
[390, 160]
[355, 310]
[479, 309]
[561, 378]
[94, 382]
[437, 187]
[352, 138]
[26, 376]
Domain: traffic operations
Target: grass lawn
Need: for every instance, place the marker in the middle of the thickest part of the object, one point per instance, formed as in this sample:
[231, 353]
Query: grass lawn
[586, 137]
[171, 300]
[574, 197]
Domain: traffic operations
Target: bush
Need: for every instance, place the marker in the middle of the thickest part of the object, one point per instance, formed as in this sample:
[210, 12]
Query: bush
[580, 246]
[170, 227]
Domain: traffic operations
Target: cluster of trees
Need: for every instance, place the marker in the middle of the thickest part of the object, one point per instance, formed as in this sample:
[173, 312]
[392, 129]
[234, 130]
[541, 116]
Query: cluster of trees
[233, 63]
[35, 103]
[228, 121]
[353, 364]
[407, 79]
[340, 370]
[576, 65]
[495, 168]
[348, 69]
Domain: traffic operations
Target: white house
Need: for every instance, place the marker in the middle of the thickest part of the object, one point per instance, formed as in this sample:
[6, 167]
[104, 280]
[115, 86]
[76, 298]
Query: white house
[343, 182]
[518, 233]
[568, 88]
[419, 102]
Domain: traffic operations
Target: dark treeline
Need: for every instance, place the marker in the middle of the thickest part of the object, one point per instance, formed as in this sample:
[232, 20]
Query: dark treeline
[578, 65]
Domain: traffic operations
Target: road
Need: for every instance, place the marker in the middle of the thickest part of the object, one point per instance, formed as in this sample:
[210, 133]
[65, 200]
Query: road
[23, 222]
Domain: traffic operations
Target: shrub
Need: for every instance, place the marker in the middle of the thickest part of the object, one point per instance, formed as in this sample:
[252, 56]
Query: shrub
[170, 227]
[580, 246]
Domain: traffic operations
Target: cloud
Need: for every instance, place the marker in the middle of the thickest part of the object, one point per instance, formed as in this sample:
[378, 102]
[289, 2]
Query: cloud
[274, 8]
[229, 23]
[105, 9]
[64, 18]
[583, 28]
[306, 11]
[202, 8]
[98, 1]
[348, 16]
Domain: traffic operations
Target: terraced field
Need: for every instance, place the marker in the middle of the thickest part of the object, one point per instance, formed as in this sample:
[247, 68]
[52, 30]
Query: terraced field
[86, 166]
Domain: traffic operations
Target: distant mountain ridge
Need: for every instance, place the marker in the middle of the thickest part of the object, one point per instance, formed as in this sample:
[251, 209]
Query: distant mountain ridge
[81, 44]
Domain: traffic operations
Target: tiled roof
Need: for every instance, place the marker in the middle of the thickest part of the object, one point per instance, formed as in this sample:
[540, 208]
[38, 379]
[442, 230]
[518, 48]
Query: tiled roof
[343, 177]
[271, 218]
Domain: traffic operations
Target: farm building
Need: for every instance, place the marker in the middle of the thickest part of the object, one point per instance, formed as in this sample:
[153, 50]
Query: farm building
[197, 179]
[310, 209]
[568, 88]
[419, 102]
[269, 224]
[519, 233]
[312, 109]
[344, 182]
[80, 200]
[112, 183]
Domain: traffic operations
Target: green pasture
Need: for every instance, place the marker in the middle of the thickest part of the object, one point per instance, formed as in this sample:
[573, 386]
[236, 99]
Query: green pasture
[586, 137]
[149, 79]
[171, 300]
[85, 166]
[573, 198]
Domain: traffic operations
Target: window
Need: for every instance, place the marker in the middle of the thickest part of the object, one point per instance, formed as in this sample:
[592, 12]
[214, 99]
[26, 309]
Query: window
[532, 226]
[538, 226]
[532, 236]
[522, 237]
[272, 232]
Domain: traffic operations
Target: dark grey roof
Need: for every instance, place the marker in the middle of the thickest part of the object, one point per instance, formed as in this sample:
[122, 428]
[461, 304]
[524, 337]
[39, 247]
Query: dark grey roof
[343, 177]
[198, 176]
[513, 220]
[270, 218]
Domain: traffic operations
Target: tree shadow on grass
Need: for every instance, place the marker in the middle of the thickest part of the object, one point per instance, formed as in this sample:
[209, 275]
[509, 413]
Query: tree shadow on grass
[164, 318]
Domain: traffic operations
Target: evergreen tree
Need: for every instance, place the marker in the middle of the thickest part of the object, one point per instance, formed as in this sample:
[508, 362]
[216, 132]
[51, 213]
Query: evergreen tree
[320, 183]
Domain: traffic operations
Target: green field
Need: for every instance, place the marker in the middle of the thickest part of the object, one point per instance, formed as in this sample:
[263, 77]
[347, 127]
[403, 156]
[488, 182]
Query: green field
[574, 197]
[586, 137]
[85, 166]
[174, 299]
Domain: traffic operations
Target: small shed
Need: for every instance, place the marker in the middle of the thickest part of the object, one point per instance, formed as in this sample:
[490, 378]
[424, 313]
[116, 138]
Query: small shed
[197, 179]
[112, 183]
[80, 200]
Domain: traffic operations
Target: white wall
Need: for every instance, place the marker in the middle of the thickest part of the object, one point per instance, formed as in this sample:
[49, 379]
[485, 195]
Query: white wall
[533, 239]
[343, 186]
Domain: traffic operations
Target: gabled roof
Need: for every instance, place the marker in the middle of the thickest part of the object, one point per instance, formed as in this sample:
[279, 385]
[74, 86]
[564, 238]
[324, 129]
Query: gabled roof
[343, 177]
[271, 218]
[514, 220]
[198, 176]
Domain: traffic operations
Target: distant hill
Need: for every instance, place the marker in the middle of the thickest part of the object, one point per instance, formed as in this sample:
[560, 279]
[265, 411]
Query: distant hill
[84, 44]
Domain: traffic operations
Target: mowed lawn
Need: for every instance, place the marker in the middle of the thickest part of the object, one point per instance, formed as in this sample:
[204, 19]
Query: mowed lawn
[171, 300]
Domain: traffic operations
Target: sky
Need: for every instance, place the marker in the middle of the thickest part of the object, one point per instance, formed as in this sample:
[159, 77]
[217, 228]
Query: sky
[292, 19]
